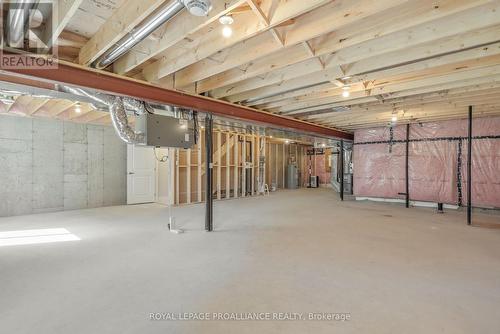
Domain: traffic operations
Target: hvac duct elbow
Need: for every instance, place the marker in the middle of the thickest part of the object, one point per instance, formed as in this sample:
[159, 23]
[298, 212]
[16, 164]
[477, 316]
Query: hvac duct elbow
[121, 125]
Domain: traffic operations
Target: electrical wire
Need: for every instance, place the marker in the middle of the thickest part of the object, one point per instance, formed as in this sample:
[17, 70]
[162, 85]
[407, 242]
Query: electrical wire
[162, 159]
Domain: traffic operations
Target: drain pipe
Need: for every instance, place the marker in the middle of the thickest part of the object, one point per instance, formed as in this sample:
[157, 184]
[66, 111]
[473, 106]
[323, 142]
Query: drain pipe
[148, 26]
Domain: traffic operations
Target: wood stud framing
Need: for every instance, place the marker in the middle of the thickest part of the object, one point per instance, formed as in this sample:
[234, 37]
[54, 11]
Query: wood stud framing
[229, 166]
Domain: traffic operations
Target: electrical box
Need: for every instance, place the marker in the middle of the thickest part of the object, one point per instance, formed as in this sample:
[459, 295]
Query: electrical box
[165, 131]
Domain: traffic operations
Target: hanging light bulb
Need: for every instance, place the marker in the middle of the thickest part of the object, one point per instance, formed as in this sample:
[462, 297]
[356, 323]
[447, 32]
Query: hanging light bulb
[346, 92]
[226, 21]
[78, 108]
[394, 118]
[227, 31]
[287, 141]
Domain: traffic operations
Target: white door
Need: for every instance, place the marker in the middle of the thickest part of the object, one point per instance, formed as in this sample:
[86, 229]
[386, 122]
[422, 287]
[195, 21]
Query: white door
[141, 175]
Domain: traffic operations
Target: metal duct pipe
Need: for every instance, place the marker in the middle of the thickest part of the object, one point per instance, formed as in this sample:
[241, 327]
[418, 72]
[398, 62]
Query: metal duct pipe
[118, 113]
[139, 33]
[99, 100]
[146, 28]
[18, 18]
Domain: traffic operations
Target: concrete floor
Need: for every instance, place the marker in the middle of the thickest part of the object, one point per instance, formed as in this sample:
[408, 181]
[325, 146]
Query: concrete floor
[395, 270]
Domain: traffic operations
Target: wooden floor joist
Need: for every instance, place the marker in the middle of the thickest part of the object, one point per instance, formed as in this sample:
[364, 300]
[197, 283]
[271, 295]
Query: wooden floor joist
[286, 63]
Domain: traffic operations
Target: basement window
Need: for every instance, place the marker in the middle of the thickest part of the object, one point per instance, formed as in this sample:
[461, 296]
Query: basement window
[40, 236]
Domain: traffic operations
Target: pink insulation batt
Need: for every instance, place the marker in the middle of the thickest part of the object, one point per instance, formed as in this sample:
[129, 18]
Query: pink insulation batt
[433, 164]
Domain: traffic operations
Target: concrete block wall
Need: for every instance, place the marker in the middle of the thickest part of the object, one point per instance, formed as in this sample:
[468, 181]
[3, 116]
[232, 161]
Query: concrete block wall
[50, 165]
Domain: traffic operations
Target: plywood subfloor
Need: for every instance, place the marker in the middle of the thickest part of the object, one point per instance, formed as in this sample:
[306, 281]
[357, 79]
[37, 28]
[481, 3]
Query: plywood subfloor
[394, 270]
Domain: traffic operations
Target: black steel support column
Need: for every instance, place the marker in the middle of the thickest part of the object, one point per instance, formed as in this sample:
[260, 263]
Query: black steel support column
[469, 170]
[208, 173]
[341, 170]
[407, 176]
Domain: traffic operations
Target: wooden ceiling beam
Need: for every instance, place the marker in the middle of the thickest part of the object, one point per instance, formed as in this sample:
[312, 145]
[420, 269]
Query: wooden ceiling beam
[124, 19]
[210, 43]
[463, 93]
[64, 9]
[313, 24]
[180, 27]
[332, 95]
[354, 43]
[258, 11]
[474, 58]
[470, 84]
[403, 110]
[413, 115]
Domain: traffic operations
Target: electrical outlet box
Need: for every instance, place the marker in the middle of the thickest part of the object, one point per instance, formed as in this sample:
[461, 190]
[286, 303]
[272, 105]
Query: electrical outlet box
[165, 131]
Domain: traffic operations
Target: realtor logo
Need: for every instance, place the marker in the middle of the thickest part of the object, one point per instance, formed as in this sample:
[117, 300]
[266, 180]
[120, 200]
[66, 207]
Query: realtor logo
[27, 38]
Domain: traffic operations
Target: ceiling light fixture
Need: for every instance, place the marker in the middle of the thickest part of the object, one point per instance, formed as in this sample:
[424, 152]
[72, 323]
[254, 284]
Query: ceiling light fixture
[78, 108]
[287, 141]
[394, 118]
[226, 21]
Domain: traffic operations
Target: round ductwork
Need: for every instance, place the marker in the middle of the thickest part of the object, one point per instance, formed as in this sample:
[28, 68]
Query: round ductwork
[198, 7]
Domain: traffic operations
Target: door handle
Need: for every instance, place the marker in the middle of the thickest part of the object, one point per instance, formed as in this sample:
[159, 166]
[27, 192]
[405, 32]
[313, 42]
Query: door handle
[130, 173]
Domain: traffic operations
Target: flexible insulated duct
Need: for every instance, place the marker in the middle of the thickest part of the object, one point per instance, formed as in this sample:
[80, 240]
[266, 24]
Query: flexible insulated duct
[120, 122]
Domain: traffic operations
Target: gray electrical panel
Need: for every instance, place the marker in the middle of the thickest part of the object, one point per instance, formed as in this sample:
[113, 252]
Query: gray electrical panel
[165, 131]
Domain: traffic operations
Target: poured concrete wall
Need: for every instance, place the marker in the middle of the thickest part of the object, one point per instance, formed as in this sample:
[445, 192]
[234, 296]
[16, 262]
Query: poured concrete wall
[51, 165]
